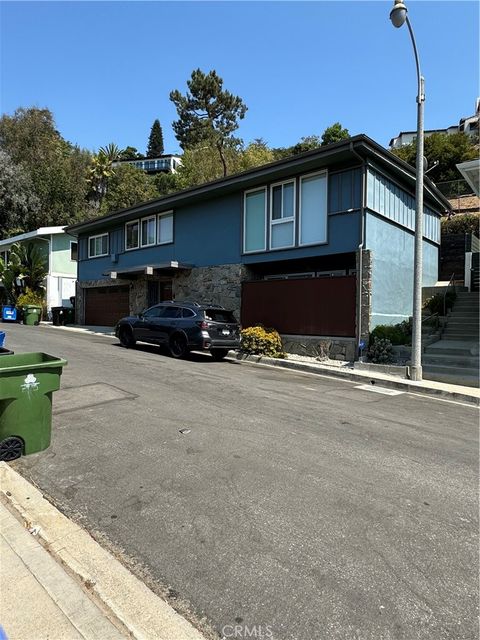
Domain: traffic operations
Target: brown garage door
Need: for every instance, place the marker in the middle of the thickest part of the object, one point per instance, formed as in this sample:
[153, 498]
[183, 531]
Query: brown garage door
[104, 306]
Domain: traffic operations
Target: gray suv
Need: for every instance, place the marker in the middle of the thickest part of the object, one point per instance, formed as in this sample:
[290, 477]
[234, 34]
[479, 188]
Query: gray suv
[182, 327]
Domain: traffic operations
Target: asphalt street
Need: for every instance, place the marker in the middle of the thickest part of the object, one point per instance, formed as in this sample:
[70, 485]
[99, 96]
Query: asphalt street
[256, 497]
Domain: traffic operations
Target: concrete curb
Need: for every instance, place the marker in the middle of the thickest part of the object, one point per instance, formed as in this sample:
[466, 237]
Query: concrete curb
[428, 388]
[125, 599]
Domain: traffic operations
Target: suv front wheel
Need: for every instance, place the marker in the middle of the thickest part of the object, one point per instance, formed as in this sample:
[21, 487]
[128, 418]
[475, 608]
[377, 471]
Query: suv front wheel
[125, 335]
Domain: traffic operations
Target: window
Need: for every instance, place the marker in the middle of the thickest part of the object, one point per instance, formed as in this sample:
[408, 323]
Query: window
[131, 235]
[154, 312]
[187, 313]
[313, 209]
[282, 215]
[74, 251]
[165, 228]
[148, 228]
[216, 315]
[172, 312]
[254, 220]
[98, 246]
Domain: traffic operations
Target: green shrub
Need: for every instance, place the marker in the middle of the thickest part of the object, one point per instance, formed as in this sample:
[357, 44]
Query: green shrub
[462, 223]
[30, 297]
[260, 341]
[380, 352]
[395, 333]
[435, 303]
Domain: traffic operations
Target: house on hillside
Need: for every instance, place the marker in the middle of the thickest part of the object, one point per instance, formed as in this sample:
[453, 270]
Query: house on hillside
[167, 163]
[318, 245]
[60, 251]
[467, 125]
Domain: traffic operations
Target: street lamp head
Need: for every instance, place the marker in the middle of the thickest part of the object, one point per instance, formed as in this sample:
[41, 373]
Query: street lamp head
[398, 14]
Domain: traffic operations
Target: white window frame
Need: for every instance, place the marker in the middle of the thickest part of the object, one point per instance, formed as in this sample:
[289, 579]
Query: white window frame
[162, 215]
[98, 255]
[148, 244]
[282, 220]
[245, 193]
[73, 242]
[127, 224]
[306, 177]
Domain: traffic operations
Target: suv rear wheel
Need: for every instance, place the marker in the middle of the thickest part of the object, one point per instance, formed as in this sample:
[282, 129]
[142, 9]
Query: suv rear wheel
[177, 345]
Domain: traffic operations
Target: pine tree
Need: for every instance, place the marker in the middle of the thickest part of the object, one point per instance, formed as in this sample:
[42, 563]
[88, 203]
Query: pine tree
[207, 114]
[155, 141]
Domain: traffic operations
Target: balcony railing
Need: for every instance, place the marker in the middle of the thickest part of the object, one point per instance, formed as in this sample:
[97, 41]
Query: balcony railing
[454, 188]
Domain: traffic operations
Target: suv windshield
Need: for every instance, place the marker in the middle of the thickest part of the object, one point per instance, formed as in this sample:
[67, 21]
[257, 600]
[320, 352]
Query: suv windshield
[219, 315]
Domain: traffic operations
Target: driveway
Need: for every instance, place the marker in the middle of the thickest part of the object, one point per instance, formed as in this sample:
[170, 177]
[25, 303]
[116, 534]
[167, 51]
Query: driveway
[255, 497]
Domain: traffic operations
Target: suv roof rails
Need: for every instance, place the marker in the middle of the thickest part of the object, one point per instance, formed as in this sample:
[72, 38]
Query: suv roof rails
[193, 303]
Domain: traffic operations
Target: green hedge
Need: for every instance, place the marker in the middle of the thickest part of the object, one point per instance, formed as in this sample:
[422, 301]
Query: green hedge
[462, 223]
[400, 333]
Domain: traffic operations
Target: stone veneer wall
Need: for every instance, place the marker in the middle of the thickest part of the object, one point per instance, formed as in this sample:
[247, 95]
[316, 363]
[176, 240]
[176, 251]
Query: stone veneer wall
[221, 284]
[365, 293]
[138, 295]
[321, 347]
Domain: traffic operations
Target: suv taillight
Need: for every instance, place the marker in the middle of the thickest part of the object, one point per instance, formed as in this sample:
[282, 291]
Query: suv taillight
[203, 324]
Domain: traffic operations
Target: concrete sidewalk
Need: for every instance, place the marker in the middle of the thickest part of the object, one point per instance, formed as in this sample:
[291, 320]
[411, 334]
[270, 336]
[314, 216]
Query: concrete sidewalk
[38, 599]
[427, 387]
[56, 582]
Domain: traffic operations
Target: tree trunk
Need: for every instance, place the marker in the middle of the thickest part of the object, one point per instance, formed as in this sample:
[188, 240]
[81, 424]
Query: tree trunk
[222, 158]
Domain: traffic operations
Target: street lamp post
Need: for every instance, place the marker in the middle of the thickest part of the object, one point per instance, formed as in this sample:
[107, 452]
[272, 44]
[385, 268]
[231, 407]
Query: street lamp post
[398, 16]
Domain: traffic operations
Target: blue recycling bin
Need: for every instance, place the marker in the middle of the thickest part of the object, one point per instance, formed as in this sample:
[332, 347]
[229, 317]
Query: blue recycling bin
[9, 313]
[2, 339]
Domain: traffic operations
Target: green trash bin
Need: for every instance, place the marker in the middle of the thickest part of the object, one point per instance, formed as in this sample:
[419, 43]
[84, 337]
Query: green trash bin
[31, 314]
[27, 381]
[69, 314]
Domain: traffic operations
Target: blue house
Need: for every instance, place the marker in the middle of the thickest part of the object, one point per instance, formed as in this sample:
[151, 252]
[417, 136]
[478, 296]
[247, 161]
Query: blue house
[318, 246]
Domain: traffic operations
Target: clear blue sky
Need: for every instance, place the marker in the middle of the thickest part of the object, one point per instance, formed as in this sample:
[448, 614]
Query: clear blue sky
[106, 69]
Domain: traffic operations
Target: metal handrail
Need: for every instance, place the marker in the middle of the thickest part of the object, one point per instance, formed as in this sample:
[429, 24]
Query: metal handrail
[452, 280]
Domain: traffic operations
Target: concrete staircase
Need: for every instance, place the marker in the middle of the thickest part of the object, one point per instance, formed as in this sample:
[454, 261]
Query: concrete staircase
[455, 357]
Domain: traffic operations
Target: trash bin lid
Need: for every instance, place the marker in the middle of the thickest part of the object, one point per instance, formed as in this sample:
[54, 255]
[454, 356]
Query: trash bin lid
[29, 361]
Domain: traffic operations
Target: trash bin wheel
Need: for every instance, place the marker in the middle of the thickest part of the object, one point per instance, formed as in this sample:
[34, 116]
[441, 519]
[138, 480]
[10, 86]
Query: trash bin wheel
[11, 448]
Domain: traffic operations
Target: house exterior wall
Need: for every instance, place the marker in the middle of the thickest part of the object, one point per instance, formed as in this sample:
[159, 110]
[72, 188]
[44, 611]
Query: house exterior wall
[391, 201]
[210, 233]
[220, 284]
[60, 255]
[392, 249]
[389, 235]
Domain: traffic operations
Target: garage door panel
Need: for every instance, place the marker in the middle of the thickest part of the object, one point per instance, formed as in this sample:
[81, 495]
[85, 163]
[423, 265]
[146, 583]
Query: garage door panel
[316, 306]
[104, 306]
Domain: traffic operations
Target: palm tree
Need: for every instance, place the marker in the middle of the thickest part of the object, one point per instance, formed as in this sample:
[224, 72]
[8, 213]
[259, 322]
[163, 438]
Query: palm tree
[26, 268]
[101, 170]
